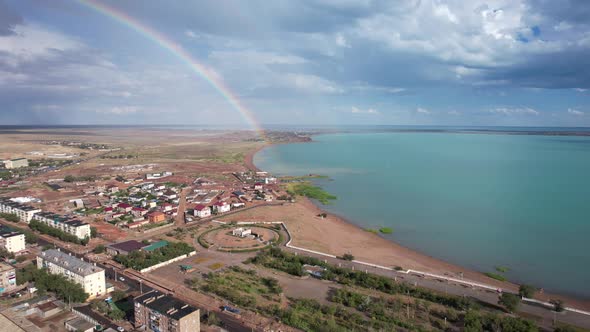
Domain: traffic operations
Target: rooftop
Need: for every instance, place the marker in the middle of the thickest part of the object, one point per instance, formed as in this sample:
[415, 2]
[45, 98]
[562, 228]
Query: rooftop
[165, 305]
[156, 245]
[68, 262]
[127, 246]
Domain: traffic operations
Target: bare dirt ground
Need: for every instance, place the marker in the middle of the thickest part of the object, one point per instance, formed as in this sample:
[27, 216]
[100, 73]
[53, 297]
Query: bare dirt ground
[224, 238]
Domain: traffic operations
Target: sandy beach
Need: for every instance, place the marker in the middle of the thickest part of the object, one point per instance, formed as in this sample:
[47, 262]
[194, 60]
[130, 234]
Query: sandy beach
[335, 235]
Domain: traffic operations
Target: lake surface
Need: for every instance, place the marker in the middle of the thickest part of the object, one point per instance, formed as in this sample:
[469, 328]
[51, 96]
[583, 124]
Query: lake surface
[476, 200]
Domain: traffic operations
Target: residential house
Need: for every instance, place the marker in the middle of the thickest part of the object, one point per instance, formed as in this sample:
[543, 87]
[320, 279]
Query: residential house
[221, 207]
[138, 212]
[156, 216]
[202, 211]
[124, 207]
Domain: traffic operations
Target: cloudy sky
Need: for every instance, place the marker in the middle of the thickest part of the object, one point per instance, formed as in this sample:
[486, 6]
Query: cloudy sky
[414, 62]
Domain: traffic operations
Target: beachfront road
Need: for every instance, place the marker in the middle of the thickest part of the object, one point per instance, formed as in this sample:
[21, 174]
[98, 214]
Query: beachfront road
[543, 316]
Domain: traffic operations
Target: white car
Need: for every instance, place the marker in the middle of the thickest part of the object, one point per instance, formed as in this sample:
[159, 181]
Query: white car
[120, 329]
[121, 278]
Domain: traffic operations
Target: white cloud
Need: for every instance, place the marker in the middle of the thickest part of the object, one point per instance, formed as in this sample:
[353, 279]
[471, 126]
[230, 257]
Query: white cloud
[580, 90]
[575, 112]
[514, 111]
[120, 110]
[421, 110]
[312, 83]
[356, 110]
[453, 112]
[190, 34]
[341, 41]
[32, 42]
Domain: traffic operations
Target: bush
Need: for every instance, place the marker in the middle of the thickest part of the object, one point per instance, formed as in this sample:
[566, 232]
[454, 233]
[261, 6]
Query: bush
[527, 291]
[347, 257]
[139, 260]
[385, 230]
[509, 301]
[99, 249]
[63, 288]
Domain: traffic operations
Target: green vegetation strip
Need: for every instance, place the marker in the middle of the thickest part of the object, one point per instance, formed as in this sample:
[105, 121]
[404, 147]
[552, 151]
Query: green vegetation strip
[310, 191]
[9, 217]
[139, 260]
[496, 276]
[385, 230]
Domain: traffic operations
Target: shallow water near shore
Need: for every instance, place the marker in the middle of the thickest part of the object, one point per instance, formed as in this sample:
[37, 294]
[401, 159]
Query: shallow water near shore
[476, 200]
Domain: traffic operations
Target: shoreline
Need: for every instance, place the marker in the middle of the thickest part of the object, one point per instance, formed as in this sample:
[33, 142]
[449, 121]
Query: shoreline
[346, 236]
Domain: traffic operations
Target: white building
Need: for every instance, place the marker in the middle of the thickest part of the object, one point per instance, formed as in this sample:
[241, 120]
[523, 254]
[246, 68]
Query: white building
[75, 227]
[241, 232]
[221, 207]
[12, 241]
[89, 276]
[202, 211]
[16, 163]
[24, 212]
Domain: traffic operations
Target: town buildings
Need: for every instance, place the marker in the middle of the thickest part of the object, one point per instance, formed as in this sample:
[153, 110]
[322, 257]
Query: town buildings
[89, 276]
[12, 241]
[77, 228]
[155, 311]
[7, 278]
[16, 163]
[22, 211]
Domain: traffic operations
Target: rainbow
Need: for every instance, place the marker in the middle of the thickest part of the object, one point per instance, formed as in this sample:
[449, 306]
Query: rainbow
[179, 52]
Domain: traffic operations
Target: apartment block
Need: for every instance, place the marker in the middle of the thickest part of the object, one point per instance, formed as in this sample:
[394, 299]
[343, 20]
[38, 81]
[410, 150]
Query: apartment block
[16, 163]
[12, 241]
[75, 227]
[24, 212]
[158, 312]
[88, 275]
[7, 278]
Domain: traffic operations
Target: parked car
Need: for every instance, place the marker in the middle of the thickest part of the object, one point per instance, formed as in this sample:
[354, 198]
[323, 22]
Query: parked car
[230, 309]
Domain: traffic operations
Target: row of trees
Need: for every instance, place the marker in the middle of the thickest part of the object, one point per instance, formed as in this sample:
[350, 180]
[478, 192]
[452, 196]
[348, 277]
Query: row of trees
[10, 217]
[67, 237]
[293, 264]
[63, 288]
[141, 259]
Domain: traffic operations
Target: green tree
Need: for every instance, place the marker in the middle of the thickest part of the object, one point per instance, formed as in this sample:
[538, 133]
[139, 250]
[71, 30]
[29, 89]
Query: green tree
[93, 232]
[69, 178]
[509, 301]
[10, 217]
[527, 291]
[99, 249]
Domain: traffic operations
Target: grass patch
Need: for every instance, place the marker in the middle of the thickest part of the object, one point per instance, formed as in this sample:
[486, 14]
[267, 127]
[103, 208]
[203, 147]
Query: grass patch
[310, 191]
[385, 230]
[496, 276]
[371, 230]
[502, 269]
[216, 266]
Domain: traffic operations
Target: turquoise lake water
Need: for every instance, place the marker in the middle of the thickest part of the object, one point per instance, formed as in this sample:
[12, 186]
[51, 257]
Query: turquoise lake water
[476, 200]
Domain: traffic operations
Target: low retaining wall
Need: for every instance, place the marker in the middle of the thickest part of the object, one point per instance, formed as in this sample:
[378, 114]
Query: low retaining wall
[159, 265]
